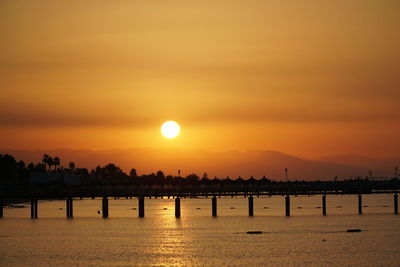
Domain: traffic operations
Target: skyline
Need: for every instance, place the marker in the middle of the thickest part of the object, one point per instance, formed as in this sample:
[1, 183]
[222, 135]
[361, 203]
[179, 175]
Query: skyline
[310, 80]
[271, 164]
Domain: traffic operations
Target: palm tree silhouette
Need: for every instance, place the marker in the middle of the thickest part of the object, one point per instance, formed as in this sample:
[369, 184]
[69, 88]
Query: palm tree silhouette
[47, 160]
[56, 162]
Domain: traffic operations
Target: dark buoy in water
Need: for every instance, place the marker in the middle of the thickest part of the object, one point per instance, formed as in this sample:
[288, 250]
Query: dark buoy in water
[254, 232]
[353, 230]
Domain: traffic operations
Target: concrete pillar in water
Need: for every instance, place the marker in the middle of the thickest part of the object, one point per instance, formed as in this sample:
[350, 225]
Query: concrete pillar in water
[67, 207]
[105, 207]
[177, 207]
[251, 206]
[396, 203]
[324, 205]
[1, 208]
[214, 206]
[70, 208]
[359, 204]
[287, 205]
[141, 207]
[34, 208]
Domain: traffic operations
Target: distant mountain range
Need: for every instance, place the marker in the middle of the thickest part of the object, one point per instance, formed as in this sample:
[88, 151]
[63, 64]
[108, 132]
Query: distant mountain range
[221, 164]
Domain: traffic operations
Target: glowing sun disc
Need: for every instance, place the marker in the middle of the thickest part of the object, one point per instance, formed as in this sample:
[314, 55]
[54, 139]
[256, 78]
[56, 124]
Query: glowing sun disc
[170, 129]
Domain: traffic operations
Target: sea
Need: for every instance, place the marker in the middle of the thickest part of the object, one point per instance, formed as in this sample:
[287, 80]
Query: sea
[198, 239]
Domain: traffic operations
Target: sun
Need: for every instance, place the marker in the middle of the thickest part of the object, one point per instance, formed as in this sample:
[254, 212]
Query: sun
[170, 129]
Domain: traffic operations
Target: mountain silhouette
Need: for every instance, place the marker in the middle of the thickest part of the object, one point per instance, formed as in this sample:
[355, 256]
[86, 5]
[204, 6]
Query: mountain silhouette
[221, 164]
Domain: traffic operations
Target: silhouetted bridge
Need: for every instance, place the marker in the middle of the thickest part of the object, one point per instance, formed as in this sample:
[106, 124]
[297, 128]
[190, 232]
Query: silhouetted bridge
[212, 189]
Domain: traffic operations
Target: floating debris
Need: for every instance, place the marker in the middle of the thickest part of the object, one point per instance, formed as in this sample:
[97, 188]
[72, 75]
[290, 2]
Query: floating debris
[198, 208]
[317, 207]
[323, 239]
[232, 208]
[165, 208]
[254, 232]
[353, 230]
[299, 207]
[265, 208]
[365, 206]
[338, 206]
[133, 208]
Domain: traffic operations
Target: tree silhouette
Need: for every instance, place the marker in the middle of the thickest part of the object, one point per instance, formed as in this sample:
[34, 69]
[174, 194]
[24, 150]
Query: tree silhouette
[8, 167]
[47, 161]
[72, 167]
[133, 173]
[56, 162]
[160, 175]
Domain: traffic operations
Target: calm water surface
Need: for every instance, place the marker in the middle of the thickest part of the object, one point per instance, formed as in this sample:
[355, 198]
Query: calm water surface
[197, 239]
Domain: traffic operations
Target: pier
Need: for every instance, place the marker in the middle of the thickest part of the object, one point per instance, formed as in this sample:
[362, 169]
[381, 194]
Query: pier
[287, 190]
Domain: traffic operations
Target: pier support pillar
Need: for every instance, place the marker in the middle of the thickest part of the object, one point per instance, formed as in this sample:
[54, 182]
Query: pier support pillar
[70, 209]
[251, 206]
[141, 207]
[177, 207]
[359, 204]
[324, 205]
[396, 204]
[67, 207]
[214, 206]
[287, 205]
[105, 207]
[1, 208]
[37, 207]
[34, 208]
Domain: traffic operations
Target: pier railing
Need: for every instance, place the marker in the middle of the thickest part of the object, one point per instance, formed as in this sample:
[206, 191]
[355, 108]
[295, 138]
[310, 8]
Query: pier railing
[193, 190]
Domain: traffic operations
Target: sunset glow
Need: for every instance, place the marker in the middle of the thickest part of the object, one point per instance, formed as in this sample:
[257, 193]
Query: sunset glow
[187, 133]
[308, 79]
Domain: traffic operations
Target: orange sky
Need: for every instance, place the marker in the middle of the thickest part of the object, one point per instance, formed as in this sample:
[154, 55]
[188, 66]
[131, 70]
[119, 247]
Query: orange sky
[310, 79]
